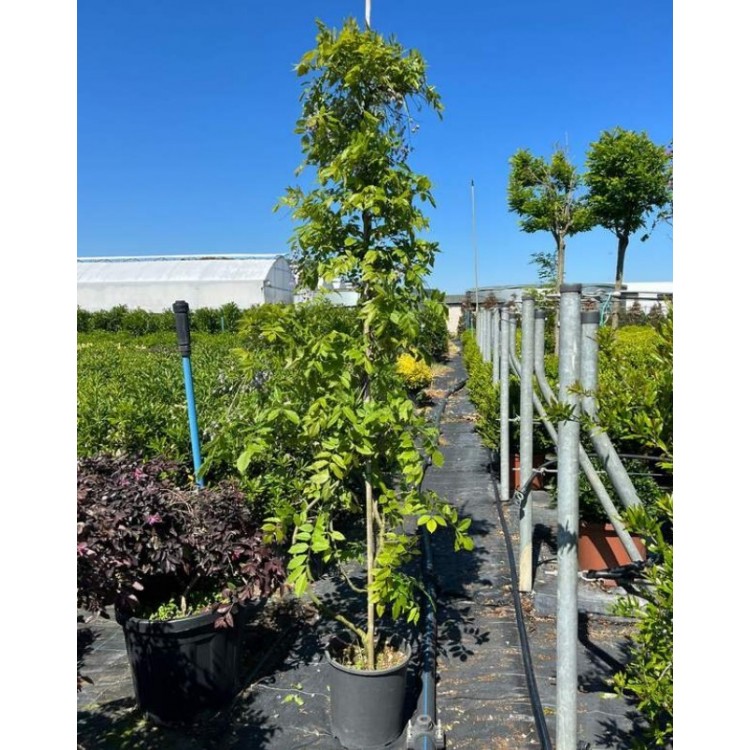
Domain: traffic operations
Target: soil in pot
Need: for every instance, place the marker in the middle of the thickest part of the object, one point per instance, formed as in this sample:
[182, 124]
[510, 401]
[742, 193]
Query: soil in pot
[367, 706]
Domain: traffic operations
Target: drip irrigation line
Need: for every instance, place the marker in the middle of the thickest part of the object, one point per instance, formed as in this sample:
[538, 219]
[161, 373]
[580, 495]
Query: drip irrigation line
[536, 703]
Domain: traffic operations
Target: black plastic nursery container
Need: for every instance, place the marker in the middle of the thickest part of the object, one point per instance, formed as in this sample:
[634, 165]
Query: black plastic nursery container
[367, 706]
[181, 667]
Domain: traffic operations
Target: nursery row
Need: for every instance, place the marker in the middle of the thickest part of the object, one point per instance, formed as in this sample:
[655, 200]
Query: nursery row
[635, 406]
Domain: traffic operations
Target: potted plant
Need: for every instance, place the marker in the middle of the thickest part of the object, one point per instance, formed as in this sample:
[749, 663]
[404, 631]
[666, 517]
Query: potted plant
[599, 547]
[182, 569]
[359, 437]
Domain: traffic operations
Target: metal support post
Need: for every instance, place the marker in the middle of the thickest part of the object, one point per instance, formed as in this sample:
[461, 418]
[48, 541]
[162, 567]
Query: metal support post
[504, 403]
[568, 432]
[606, 452]
[495, 324]
[525, 562]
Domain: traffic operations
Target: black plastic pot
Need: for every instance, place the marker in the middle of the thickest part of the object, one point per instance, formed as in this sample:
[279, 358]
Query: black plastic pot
[367, 706]
[181, 667]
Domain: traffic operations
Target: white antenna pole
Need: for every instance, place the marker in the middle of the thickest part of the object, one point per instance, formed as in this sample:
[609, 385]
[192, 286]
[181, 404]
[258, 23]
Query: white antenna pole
[367, 13]
[476, 259]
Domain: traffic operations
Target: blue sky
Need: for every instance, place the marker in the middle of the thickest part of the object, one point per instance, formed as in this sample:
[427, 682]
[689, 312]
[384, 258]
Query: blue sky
[186, 113]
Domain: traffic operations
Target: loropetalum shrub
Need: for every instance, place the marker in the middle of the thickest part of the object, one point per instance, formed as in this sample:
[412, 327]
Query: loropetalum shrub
[147, 540]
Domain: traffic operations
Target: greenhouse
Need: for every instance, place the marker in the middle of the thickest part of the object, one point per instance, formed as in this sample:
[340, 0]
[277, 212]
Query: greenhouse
[153, 283]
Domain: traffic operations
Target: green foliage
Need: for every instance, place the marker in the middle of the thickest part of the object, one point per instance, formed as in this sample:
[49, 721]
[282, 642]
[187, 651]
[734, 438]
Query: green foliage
[649, 675]
[432, 340]
[546, 195]
[546, 266]
[641, 474]
[140, 322]
[628, 177]
[483, 393]
[336, 405]
[415, 373]
[131, 393]
[635, 404]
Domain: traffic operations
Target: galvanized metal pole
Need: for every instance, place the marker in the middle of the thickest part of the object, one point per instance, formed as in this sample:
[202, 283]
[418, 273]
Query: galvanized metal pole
[479, 333]
[512, 320]
[568, 432]
[504, 403]
[539, 317]
[495, 324]
[485, 327]
[606, 452]
[490, 318]
[525, 562]
[476, 254]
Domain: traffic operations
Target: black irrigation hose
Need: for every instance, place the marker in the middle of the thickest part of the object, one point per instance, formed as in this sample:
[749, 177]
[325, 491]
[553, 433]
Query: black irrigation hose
[536, 703]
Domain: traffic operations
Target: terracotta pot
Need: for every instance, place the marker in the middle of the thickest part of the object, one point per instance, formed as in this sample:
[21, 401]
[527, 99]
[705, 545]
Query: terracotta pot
[537, 483]
[599, 547]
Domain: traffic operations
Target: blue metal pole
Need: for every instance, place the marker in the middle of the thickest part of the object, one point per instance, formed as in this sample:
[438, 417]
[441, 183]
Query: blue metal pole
[181, 310]
[193, 417]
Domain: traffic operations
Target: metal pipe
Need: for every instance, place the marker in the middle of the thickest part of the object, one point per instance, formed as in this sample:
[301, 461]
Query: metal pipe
[525, 560]
[483, 318]
[504, 403]
[606, 452]
[181, 311]
[487, 336]
[568, 432]
[539, 316]
[495, 327]
[476, 255]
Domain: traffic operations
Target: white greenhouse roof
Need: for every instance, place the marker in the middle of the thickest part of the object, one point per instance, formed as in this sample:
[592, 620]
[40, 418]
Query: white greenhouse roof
[180, 268]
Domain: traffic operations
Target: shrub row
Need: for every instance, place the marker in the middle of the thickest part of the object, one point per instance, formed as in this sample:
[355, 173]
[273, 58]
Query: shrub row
[140, 322]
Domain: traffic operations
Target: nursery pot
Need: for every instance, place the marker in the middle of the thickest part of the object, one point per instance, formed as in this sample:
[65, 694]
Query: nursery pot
[367, 706]
[183, 666]
[599, 547]
[514, 480]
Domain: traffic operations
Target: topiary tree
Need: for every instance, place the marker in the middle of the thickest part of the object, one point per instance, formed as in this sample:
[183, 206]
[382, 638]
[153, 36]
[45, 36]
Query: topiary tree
[629, 179]
[546, 195]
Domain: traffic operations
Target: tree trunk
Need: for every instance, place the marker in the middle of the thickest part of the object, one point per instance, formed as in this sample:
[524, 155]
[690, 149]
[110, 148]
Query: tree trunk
[559, 281]
[622, 246]
[369, 500]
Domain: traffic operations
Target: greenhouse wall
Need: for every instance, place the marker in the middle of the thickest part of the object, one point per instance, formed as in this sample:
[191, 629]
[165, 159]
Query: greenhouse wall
[154, 283]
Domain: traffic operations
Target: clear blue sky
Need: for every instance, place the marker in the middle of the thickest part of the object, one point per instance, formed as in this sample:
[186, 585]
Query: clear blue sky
[186, 113]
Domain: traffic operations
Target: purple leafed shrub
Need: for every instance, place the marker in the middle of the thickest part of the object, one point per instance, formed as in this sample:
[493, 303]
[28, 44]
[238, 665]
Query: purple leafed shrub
[146, 538]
